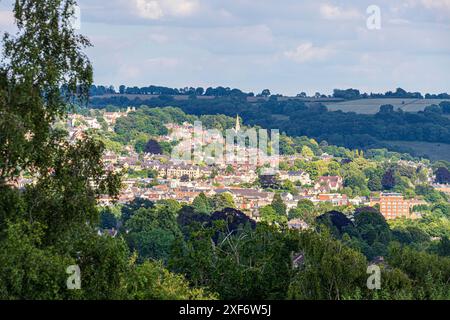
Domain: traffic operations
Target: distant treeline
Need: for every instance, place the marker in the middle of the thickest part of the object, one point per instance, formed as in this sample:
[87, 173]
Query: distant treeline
[159, 90]
[347, 94]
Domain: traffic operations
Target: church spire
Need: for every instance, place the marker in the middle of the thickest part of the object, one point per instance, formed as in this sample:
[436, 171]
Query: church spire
[237, 128]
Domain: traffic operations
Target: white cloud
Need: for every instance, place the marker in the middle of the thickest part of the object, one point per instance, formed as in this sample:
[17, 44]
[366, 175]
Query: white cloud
[428, 4]
[436, 4]
[332, 12]
[149, 9]
[157, 9]
[307, 52]
[181, 7]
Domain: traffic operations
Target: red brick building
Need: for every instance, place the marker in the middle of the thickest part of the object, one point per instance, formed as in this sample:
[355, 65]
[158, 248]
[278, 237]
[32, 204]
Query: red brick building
[394, 205]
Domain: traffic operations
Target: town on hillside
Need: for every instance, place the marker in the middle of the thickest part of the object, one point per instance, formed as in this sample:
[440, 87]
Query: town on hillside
[155, 176]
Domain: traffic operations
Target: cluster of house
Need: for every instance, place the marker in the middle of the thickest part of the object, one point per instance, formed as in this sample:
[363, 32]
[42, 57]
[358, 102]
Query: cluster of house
[77, 124]
[184, 182]
[212, 148]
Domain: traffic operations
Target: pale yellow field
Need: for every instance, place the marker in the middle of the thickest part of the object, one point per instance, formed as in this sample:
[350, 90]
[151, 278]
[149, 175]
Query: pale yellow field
[372, 106]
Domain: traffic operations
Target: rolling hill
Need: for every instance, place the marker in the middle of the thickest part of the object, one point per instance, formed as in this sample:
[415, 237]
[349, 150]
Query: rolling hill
[372, 106]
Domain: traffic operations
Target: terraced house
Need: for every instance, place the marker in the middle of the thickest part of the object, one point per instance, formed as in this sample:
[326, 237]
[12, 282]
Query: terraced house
[179, 171]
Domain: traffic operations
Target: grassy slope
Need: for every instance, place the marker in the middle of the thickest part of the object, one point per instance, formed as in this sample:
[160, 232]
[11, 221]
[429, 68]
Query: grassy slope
[372, 106]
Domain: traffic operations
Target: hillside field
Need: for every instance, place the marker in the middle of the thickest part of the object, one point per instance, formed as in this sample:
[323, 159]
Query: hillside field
[372, 106]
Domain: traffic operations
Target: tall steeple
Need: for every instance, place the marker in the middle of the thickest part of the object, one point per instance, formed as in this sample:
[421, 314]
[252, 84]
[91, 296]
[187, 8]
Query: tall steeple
[237, 128]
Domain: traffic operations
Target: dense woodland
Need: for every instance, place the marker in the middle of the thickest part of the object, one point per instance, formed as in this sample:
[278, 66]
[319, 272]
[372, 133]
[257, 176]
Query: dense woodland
[298, 118]
[219, 248]
[163, 250]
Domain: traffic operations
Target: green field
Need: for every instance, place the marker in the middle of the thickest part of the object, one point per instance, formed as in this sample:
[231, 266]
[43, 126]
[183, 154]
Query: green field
[372, 106]
[435, 151]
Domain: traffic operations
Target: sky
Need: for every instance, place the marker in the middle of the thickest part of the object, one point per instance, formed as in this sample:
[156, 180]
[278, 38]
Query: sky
[287, 46]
